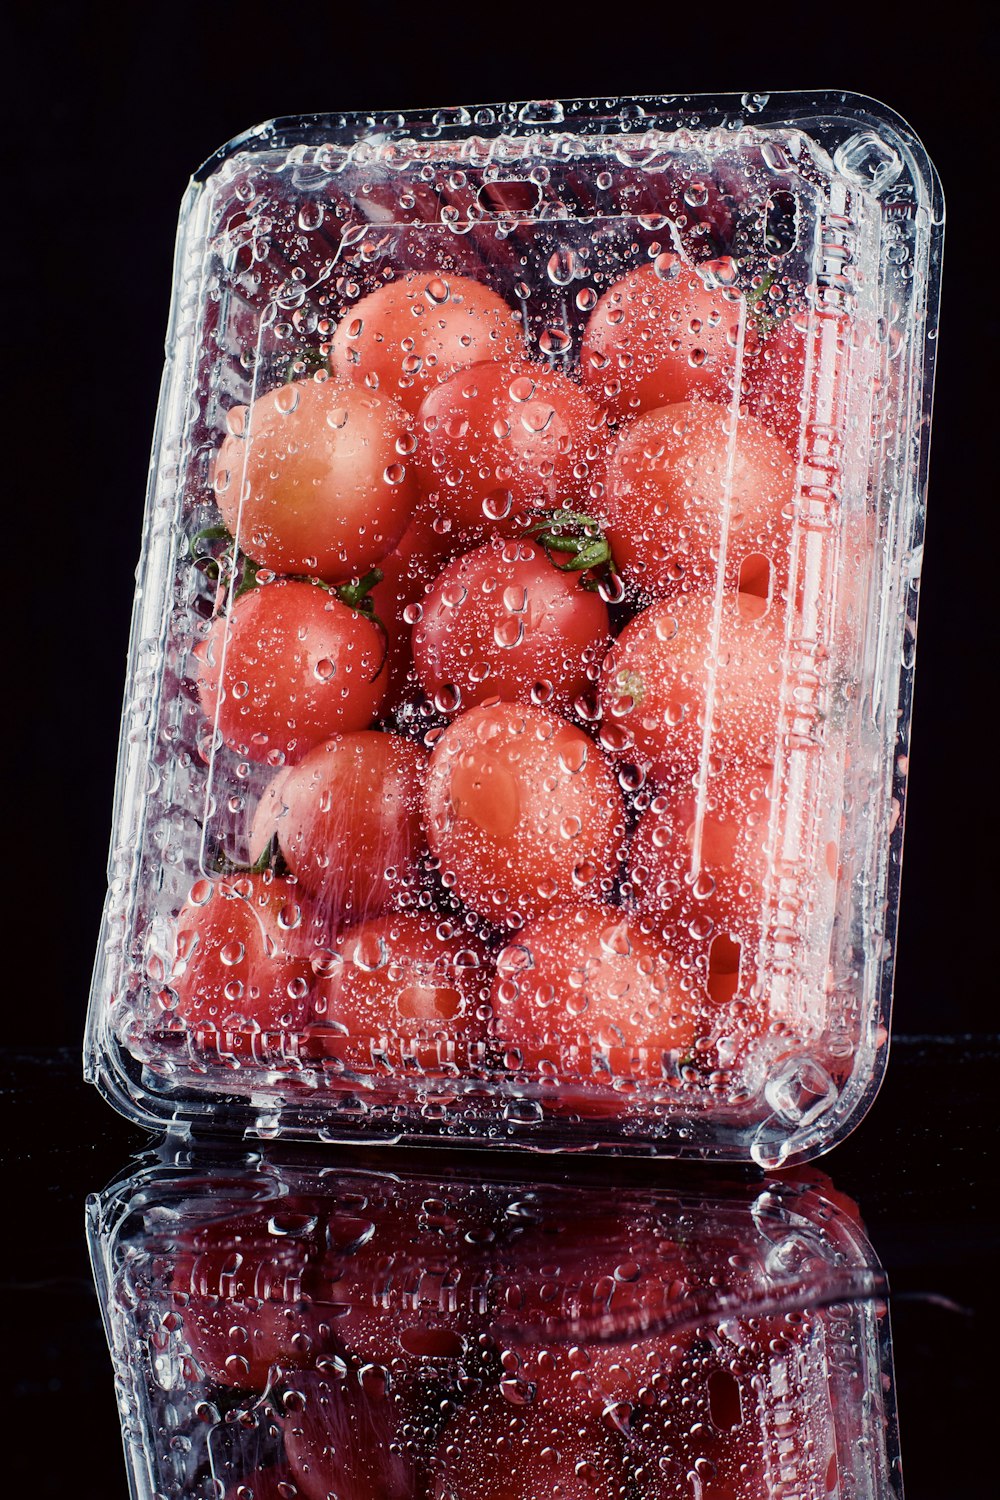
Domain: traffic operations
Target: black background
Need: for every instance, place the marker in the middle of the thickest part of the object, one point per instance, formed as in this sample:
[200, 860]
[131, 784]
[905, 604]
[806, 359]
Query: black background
[107, 119]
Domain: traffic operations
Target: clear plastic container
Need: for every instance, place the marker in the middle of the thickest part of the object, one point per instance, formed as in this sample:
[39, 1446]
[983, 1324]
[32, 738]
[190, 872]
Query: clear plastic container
[515, 737]
[438, 1335]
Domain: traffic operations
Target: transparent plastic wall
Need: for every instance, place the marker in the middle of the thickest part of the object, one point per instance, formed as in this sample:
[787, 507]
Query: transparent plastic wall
[660, 369]
[284, 1328]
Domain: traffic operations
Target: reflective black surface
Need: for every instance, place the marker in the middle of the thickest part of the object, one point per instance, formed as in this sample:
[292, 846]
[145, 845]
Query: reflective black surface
[920, 1168]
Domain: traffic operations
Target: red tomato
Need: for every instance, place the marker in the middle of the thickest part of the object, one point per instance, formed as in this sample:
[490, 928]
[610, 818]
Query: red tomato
[682, 474]
[406, 336]
[226, 974]
[774, 376]
[500, 441]
[584, 992]
[504, 622]
[662, 679]
[347, 819]
[665, 332]
[397, 991]
[712, 911]
[522, 810]
[289, 666]
[318, 478]
[406, 575]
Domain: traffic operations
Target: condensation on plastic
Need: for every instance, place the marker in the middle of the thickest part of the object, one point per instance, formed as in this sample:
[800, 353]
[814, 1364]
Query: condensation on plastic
[274, 1321]
[277, 230]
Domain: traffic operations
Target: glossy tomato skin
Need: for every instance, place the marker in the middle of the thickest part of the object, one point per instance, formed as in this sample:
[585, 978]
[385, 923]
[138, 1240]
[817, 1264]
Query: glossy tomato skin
[227, 973]
[709, 909]
[521, 810]
[774, 376]
[317, 478]
[406, 336]
[289, 666]
[347, 819]
[584, 988]
[503, 622]
[501, 441]
[663, 333]
[407, 987]
[687, 477]
[662, 678]
[407, 574]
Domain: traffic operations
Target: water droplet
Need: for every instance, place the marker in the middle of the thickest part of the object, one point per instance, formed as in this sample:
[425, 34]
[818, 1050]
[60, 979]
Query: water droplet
[508, 632]
[563, 266]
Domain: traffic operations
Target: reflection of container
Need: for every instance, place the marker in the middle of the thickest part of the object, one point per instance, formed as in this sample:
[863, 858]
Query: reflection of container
[655, 913]
[364, 1332]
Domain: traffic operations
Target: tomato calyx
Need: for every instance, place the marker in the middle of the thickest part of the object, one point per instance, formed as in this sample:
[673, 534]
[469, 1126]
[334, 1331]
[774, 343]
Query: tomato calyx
[270, 858]
[306, 362]
[223, 562]
[580, 539]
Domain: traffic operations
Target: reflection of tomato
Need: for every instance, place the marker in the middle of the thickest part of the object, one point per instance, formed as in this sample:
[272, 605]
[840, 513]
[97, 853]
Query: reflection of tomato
[668, 483]
[503, 622]
[226, 972]
[585, 990]
[717, 910]
[664, 333]
[662, 678]
[497, 440]
[287, 667]
[343, 1438]
[512, 1442]
[347, 819]
[317, 478]
[230, 1287]
[404, 989]
[408, 335]
[522, 811]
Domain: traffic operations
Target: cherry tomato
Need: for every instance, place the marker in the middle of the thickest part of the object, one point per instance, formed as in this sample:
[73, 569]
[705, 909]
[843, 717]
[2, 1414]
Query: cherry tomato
[584, 991]
[399, 991]
[662, 682]
[521, 810]
[289, 666]
[505, 622]
[406, 336]
[500, 441]
[406, 576]
[664, 333]
[680, 477]
[774, 375]
[227, 974]
[318, 478]
[711, 909]
[347, 818]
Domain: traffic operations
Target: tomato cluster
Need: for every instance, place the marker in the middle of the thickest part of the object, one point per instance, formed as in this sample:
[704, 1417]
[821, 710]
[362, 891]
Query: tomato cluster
[510, 640]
